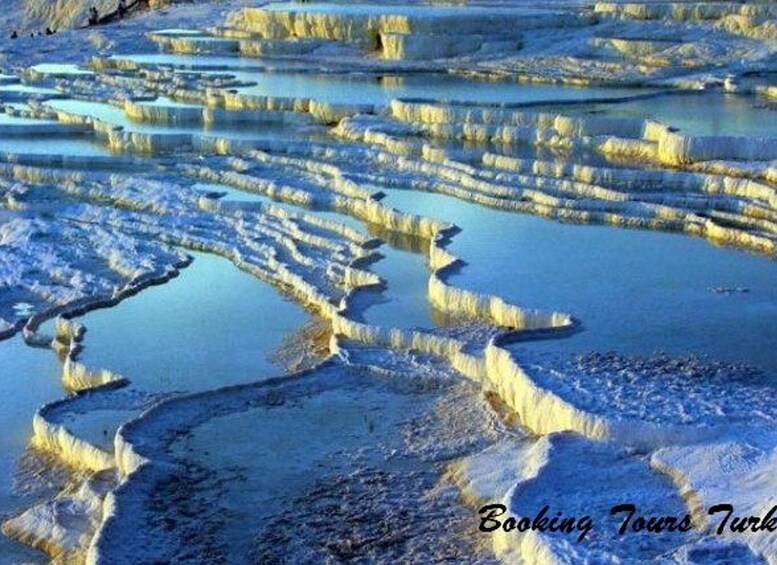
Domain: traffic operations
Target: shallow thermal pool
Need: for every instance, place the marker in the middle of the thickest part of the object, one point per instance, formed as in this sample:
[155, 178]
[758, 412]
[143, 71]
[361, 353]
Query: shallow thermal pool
[8, 119]
[700, 113]
[28, 378]
[117, 116]
[372, 89]
[202, 62]
[22, 89]
[52, 145]
[356, 453]
[635, 291]
[67, 143]
[173, 337]
[170, 337]
[294, 448]
[403, 302]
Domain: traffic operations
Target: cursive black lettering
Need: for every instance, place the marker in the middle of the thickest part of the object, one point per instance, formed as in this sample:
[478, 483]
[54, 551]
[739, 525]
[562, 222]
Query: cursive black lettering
[686, 524]
[728, 509]
[541, 521]
[584, 526]
[630, 508]
[743, 524]
[489, 523]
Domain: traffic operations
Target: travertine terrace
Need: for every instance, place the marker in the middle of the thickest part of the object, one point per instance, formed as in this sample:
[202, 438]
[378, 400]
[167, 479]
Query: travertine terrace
[113, 172]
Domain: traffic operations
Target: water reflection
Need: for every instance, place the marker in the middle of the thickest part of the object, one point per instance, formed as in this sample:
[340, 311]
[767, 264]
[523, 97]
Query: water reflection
[635, 291]
[213, 326]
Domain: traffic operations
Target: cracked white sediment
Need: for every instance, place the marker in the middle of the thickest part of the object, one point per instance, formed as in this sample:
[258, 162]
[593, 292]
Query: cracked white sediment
[724, 471]
[62, 527]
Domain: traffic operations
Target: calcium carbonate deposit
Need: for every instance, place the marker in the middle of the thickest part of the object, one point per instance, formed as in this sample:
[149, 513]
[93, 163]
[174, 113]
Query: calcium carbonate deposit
[315, 282]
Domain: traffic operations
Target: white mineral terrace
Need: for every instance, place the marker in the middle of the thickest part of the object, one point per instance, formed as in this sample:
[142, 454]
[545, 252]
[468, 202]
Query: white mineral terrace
[405, 257]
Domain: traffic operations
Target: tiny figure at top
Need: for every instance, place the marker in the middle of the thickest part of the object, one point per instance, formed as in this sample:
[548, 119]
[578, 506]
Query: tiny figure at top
[122, 9]
[94, 16]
